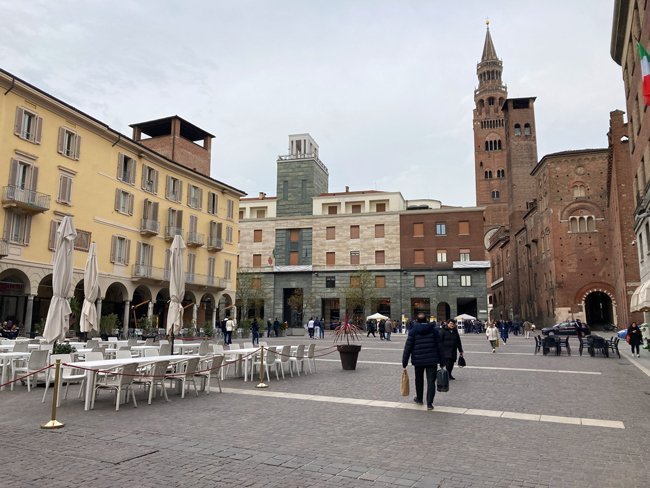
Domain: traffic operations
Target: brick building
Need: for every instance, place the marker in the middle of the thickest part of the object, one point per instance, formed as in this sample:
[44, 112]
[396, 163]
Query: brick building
[559, 251]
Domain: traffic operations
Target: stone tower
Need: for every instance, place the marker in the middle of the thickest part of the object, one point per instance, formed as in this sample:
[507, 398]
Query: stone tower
[300, 176]
[490, 138]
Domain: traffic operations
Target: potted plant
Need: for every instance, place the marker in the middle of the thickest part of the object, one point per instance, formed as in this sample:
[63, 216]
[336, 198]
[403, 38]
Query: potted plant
[63, 348]
[349, 353]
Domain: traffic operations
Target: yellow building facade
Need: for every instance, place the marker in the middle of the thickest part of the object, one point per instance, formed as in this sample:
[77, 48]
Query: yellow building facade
[128, 195]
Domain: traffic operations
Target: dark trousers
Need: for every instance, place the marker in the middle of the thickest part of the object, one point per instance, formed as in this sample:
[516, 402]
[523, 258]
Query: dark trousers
[268, 331]
[635, 346]
[371, 331]
[311, 332]
[449, 364]
[276, 331]
[431, 382]
[256, 338]
[228, 338]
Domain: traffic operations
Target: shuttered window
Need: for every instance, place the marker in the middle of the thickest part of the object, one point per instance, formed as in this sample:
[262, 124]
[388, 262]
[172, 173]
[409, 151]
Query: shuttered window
[69, 143]
[126, 169]
[194, 196]
[17, 227]
[120, 249]
[257, 235]
[380, 282]
[28, 125]
[65, 189]
[294, 258]
[418, 230]
[257, 260]
[355, 257]
[230, 209]
[213, 203]
[149, 182]
[354, 232]
[330, 258]
[330, 233]
[379, 230]
[418, 281]
[463, 228]
[418, 256]
[380, 257]
[174, 189]
[123, 202]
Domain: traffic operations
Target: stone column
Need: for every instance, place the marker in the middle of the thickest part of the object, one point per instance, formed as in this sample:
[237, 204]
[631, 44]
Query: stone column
[214, 317]
[28, 314]
[98, 305]
[125, 319]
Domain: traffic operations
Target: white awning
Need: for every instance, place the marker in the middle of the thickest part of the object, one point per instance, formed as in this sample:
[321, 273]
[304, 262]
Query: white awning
[640, 301]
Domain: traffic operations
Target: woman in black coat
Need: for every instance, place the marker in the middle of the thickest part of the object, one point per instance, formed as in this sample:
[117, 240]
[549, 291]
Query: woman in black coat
[634, 338]
[451, 345]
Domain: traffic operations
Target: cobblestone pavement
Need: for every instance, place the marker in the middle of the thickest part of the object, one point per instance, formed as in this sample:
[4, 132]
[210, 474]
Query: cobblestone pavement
[326, 439]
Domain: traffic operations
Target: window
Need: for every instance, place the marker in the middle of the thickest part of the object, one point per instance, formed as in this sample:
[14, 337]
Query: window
[441, 229]
[495, 194]
[380, 282]
[230, 209]
[582, 223]
[488, 174]
[149, 181]
[332, 210]
[355, 257]
[125, 169]
[379, 230]
[81, 243]
[527, 131]
[260, 214]
[174, 189]
[517, 129]
[174, 222]
[229, 234]
[211, 267]
[191, 265]
[418, 281]
[123, 202]
[17, 227]
[257, 235]
[28, 125]
[213, 203]
[227, 269]
[294, 258]
[294, 235]
[464, 255]
[354, 232]
[356, 208]
[418, 230]
[330, 233]
[120, 247]
[579, 190]
[463, 228]
[65, 189]
[194, 196]
[441, 256]
[501, 173]
[380, 207]
[465, 280]
[380, 257]
[442, 280]
[355, 281]
[330, 282]
[69, 143]
[418, 256]
[144, 257]
[330, 258]
[257, 260]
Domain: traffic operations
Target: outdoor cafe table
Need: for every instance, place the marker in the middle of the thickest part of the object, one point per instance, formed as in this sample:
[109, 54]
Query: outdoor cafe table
[5, 357]
[188, 347]
[141, 349]
[249, 353]
[106, 364]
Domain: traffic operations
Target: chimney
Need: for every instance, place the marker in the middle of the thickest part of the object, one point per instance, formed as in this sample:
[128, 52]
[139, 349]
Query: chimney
[262, 195]
[347, 188]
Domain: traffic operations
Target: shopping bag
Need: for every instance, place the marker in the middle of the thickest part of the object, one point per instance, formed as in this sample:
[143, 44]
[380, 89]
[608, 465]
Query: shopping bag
[442, 380]
[404, 386]
[497, 342]
[461, 362]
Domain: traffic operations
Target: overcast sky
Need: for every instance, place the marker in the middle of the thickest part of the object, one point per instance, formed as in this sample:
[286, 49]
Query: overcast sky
[384, 87]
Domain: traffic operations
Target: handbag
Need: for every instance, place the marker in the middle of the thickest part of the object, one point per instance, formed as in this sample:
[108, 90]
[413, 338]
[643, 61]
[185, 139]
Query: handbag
[404, 386]
[497, 342]
[442, 380]
[461, 362]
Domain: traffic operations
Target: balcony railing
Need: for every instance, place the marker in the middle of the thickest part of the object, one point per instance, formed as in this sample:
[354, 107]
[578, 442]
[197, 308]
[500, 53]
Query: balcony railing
[195, 239]
[215, 244]
[170, 232]
[4, 248]
[29, 200]
[142, 271]
[149, 227]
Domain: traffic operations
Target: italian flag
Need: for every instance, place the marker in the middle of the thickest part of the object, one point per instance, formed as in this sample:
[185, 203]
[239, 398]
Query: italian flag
[645, 72]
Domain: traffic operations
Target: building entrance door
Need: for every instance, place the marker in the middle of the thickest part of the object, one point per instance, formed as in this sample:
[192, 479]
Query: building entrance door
[598, 309]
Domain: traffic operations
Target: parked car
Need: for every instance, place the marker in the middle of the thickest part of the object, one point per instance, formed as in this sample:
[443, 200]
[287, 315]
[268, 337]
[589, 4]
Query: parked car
[568, 328]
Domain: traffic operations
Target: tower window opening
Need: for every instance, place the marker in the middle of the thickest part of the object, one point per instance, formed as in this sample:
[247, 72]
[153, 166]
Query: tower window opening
[488, 174]
[495, 194]
[517, 129]
[526, 129]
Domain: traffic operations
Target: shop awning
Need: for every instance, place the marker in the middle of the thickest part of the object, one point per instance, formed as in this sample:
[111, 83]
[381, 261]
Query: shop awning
[640, 301]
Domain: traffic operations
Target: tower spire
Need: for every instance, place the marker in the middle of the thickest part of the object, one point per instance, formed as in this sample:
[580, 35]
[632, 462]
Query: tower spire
[489, 53]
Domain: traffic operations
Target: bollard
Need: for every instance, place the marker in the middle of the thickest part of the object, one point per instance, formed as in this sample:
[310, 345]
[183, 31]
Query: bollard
[261, 384]
[54, 423]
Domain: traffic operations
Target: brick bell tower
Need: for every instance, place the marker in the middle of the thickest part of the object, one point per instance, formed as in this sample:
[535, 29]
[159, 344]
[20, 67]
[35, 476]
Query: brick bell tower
[490, 137]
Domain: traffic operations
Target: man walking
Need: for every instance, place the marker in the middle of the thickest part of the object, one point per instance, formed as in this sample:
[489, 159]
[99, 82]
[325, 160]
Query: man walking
[268, 328]
[276, 327]
[310, 327]
[230, 326]
[423, 348]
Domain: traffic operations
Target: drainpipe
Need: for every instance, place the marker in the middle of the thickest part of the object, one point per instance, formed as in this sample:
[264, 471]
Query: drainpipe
[13, 83]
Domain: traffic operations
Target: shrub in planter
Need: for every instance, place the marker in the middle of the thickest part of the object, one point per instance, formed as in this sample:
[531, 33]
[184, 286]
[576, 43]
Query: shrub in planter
[349, 353]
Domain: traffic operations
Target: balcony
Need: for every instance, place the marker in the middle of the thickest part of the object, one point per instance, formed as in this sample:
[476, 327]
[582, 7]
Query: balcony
[4, 248]
[170, 232]
[28, 200]
[215, 244]
[144, 272]
[149, 227]
[195, 239]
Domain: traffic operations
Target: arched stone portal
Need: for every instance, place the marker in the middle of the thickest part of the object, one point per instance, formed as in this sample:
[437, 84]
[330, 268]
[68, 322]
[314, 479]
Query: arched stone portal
[599, 309]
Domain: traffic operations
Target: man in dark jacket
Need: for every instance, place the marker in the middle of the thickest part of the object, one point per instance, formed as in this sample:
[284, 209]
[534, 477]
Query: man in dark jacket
[423, 348]
[451, 345]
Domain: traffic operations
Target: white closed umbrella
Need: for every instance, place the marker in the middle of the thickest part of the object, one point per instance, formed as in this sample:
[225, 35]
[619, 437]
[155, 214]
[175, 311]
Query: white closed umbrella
[176, 286]
[56, 323]
[88, 319]
[150, 310]
[195, 314]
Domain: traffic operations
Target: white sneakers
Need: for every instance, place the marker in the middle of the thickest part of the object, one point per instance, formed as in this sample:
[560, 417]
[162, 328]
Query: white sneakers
[494, 350]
